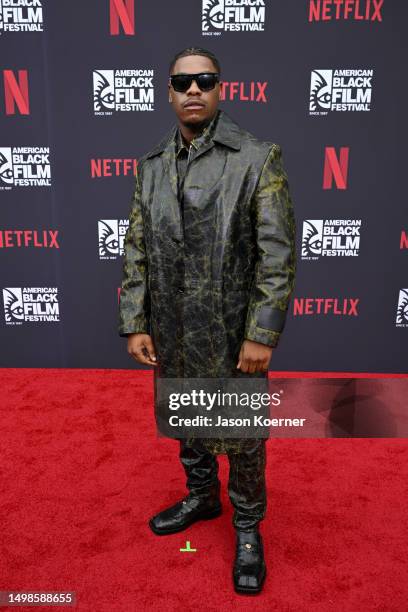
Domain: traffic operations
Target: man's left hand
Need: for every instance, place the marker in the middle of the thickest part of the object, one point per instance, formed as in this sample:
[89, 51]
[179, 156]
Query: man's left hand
[254, 357]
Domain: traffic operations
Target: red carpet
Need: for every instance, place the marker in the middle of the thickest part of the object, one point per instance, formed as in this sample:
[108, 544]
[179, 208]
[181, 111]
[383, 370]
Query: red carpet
[82, 470]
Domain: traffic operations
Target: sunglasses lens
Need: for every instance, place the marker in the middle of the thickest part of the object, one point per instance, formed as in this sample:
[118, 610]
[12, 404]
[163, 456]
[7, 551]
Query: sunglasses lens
[182, 82]
[206, 82]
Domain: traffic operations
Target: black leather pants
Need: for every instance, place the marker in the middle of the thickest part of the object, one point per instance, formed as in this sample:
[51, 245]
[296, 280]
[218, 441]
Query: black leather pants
[246, 484]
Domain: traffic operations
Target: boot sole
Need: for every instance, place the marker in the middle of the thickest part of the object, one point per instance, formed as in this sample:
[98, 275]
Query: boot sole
[200, 517]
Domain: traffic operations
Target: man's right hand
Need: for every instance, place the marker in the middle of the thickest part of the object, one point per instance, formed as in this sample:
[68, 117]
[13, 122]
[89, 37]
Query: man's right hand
[141, 347]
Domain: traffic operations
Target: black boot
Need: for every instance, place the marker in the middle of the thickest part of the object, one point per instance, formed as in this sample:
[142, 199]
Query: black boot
[203, 501]
[183, 514]
[249, 567]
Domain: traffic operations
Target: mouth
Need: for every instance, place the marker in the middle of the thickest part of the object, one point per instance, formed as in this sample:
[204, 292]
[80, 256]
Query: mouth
[194, 105]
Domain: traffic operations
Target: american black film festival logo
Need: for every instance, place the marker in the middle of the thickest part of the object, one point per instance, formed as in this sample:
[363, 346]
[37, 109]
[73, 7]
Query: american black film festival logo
[402, 309]
[111, 236]
[123, 90]
[340, 90]
[21, 16]
[330, 238]
[232, 16]
[30, 304]
[24, 167]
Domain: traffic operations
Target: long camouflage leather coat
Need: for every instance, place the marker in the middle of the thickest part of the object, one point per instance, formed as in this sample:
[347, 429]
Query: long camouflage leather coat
[203, 276]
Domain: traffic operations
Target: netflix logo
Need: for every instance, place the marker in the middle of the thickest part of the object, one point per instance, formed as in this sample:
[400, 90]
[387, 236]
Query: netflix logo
[122, 16]
[16, 94]
[404, 240]
[355, 10]
[29, 238]
[335, 167]
[254, 91]
[325, 306]
[105, 166]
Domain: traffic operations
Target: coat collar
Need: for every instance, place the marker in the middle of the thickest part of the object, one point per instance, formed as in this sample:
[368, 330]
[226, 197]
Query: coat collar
[227, 132]
[198, 140]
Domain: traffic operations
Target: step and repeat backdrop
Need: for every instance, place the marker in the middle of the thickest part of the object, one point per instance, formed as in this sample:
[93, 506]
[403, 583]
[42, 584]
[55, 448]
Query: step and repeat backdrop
[83, 95]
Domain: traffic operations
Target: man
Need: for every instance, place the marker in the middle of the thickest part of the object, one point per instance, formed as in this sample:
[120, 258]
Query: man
[208, 273]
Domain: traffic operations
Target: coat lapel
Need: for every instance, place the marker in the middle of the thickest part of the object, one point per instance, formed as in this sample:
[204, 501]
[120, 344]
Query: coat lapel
[170, 167]
[167, 148]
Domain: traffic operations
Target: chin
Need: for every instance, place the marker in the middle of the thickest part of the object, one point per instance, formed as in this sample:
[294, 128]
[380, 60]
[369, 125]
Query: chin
[191, 119]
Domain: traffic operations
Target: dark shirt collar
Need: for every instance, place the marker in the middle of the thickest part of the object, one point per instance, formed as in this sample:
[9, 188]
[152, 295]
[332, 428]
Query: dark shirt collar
[200, 139]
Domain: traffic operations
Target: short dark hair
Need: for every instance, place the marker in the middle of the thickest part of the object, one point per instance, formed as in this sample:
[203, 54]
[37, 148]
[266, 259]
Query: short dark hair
[195, 51]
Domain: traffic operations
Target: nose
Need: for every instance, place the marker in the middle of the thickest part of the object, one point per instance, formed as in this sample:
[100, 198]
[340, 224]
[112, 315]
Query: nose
[193, 89]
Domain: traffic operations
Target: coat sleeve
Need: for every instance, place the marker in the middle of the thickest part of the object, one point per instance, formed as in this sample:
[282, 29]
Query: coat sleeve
[134, 315]
[275, 269]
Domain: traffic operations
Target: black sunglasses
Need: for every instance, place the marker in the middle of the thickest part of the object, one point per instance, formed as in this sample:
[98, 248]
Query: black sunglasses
[205, 81]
